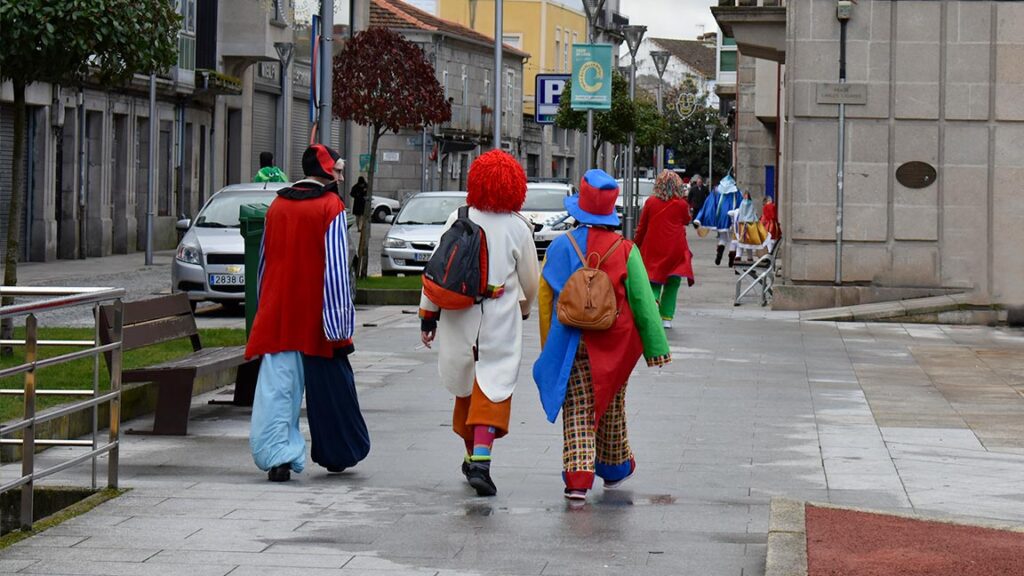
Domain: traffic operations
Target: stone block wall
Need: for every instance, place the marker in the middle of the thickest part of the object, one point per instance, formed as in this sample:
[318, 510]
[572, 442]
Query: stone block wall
[944, 80]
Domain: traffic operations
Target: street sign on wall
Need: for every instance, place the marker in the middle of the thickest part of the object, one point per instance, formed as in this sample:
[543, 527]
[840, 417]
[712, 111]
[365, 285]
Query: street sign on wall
[591, 77]
[547, 95]
[842, 93]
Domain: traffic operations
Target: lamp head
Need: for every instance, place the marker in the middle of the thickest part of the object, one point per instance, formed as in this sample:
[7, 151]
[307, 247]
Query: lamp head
[592, 8]
[634, 34]
[660, 58]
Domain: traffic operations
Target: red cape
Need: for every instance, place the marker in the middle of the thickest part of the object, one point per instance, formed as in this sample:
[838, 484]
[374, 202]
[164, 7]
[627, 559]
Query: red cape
[661, 236]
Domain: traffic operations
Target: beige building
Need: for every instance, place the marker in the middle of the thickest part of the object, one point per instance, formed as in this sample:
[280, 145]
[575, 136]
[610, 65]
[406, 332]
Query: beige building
[936, 83]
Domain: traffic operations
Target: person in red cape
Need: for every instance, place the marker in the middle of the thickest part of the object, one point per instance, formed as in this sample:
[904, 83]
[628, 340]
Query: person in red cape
[583, 373]
[303, 328]
[661, 237]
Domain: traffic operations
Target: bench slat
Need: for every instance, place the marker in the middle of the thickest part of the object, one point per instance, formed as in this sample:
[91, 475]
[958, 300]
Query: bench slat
[151, 309]
[197, 363]
[158, 331]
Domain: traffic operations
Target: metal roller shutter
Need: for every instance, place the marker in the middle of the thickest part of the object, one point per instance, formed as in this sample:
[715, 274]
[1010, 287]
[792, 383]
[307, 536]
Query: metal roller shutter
[264, 127]
[299, 136]
[6, 177]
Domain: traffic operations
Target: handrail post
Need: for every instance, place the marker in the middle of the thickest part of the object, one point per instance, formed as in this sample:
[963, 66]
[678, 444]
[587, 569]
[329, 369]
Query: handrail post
[115, 386]
[28, 445]
[95, 388]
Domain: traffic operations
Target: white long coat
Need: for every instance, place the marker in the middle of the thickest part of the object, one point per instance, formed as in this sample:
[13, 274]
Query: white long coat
[495, 326]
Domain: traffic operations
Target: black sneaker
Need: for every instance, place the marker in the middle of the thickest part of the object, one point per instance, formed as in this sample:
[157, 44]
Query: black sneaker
[479, 477]
[336, 469]
[465, 468]
[282, 473]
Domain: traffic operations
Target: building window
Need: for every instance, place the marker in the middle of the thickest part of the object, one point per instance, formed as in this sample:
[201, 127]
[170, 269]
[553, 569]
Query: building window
[558, 50]
[727, 61]
[575, 38]
[513, 40]
[465, 95]
[510, 84]
[566, 64]
[444, 81]
[278, 10]
[728, 41]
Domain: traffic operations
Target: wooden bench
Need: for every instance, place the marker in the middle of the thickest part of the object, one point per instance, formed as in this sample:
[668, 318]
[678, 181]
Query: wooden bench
[164, 319]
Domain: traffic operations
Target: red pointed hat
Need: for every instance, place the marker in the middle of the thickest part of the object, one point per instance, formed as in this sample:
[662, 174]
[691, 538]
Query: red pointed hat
[595, 203]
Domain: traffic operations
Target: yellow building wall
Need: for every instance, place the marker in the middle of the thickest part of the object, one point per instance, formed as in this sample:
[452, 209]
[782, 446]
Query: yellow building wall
[536, 21]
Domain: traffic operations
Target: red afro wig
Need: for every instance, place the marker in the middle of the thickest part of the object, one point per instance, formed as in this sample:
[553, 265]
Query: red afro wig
[497, 183]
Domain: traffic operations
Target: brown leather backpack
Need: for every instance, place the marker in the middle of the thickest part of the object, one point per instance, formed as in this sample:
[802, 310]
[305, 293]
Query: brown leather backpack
[587, 300]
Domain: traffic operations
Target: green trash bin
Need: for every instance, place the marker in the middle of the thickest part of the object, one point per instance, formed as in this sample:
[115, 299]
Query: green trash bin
[250, 217]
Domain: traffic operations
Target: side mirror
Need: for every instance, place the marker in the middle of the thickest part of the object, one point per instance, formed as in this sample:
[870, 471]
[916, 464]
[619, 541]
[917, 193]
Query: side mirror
[537, 227]
[183, 224]
[389, 219]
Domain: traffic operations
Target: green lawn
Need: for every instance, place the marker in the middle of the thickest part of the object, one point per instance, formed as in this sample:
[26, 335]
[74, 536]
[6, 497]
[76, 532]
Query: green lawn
[77, 375]
[390, 283]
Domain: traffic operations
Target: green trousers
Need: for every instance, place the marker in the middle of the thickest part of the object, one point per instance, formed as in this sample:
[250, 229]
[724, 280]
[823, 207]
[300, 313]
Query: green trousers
[666, 295]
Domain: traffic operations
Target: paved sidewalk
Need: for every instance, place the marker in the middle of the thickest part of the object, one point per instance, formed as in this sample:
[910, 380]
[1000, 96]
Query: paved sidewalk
[757, 404]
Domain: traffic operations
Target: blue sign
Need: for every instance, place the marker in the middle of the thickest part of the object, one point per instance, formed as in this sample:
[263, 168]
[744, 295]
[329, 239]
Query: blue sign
[546, 96]
[591, 76]
[670, 158]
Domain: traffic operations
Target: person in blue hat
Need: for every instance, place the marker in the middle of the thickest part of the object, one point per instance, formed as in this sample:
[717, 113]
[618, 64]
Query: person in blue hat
[583, 373]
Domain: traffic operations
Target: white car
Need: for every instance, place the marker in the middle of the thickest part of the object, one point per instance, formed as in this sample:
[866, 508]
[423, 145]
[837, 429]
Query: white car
[416, 230]
[544, 201]
[381, 208]
[645, 191]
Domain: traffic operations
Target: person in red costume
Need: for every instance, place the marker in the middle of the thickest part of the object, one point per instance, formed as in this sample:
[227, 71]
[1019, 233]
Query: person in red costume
[303, 328]
[661, 237]
[583, 373]
[770, 221]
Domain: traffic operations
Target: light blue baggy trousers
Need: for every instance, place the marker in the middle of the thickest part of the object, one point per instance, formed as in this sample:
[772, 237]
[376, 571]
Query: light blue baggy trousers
[274, 435]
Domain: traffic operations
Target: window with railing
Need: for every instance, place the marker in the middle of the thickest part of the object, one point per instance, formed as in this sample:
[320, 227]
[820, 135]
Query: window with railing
[187, 36]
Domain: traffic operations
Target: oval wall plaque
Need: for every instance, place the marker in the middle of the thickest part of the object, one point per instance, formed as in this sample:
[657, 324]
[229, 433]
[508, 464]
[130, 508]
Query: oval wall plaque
[916, 174]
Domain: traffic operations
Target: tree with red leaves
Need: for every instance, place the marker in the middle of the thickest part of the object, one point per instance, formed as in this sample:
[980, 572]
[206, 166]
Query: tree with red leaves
[384, 81]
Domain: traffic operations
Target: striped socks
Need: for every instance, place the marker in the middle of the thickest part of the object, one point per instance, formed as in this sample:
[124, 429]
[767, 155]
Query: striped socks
[483, 441]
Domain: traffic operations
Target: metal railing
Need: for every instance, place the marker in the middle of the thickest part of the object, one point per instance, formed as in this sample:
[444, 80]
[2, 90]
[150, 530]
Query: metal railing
[49, 300]
[762, 275]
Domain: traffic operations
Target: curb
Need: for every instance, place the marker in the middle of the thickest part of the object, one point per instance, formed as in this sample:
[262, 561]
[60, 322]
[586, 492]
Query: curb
[787, 531]
[787, 539]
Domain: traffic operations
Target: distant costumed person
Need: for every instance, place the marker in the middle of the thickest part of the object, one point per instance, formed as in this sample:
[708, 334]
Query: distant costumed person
[303, 328]
[582, 373]
[480, 345]
[661, 237]
[714, 215]
[748, 233]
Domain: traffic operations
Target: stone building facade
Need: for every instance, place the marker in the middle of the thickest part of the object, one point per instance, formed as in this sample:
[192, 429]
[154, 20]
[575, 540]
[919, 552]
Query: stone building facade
[941, 82]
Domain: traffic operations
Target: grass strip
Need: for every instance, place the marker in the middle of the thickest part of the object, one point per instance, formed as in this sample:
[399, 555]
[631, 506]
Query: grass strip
[389, 283]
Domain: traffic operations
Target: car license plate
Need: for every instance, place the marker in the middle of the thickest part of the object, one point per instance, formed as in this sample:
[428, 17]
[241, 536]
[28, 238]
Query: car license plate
[227, 279]
[422, 257]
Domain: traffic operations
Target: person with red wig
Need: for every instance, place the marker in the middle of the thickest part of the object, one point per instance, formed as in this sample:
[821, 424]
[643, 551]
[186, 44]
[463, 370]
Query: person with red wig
[480, 347]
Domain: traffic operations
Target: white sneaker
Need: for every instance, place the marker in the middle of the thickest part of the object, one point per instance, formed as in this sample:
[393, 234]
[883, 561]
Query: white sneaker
[666, 323]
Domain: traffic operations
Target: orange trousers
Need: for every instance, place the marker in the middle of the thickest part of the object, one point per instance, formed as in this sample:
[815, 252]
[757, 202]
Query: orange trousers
[478, 410]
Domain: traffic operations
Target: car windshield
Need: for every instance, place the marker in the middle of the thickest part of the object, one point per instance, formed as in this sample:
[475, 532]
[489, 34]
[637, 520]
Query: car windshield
[429, 209]
[544, 199]
[222, 211]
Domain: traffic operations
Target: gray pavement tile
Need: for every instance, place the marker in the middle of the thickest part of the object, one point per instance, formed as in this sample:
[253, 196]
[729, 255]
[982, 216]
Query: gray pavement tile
[194, 557]
[11, 565]
[93, 568]
[78, 554]
[50, 540]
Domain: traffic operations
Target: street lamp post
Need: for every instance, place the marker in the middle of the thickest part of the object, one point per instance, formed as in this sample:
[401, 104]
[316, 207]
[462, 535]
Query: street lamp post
[633, 34]
[660, 58]
[592, 9]
[710, 128]
[499, 33]
[324, 129]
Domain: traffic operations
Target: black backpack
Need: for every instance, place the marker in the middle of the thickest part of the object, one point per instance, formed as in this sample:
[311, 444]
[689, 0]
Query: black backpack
[455, 278]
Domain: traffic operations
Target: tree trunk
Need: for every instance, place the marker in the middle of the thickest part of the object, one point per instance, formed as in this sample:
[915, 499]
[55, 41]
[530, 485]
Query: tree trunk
[14, 215]
[365, 219]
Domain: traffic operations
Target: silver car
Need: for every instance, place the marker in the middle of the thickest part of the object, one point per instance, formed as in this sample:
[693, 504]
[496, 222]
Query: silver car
[210, 262]
[416, 230]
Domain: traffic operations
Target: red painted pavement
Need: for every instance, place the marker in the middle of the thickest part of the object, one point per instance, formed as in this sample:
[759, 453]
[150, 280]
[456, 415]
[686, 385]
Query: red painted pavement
[848, 543]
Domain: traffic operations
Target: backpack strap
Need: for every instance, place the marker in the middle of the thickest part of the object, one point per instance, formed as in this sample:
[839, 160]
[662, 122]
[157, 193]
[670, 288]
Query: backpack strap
[572, 240]
[601, 260]
[464, 212]
[614, 247]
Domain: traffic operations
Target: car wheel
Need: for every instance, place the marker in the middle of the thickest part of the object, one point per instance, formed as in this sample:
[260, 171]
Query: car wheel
[380, 213]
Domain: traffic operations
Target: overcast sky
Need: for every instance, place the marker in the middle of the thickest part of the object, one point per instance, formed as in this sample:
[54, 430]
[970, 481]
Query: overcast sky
[671, 18]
